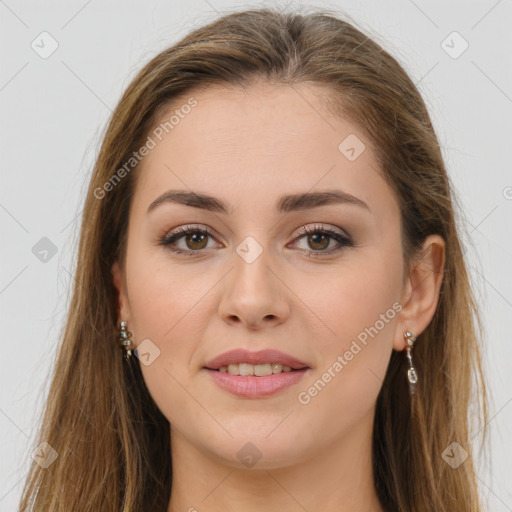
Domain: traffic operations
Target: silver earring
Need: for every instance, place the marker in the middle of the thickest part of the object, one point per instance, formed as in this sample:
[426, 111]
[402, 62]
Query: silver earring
[126, 342]
[412, 376]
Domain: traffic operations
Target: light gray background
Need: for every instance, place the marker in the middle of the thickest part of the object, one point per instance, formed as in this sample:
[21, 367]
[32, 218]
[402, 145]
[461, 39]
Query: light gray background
[54, 110]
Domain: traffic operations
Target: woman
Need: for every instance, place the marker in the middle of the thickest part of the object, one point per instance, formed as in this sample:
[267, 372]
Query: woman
[271, 309]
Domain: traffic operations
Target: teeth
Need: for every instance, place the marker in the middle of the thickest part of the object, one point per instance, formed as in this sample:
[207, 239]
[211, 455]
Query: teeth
[260, 370]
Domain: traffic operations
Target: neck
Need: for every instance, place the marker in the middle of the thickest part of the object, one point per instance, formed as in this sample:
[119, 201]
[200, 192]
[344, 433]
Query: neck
[337, 479]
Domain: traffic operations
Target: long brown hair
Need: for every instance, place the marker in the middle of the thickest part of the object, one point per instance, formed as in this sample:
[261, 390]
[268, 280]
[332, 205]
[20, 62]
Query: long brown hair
[112, 441]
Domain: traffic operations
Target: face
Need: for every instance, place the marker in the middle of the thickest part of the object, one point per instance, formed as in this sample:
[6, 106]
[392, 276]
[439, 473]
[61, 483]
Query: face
[320, 280]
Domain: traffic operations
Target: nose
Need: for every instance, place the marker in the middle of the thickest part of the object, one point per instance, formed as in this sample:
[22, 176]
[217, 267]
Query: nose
[254, 295]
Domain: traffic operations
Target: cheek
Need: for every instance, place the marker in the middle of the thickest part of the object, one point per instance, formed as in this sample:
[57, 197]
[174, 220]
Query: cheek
[365, 288]
[171, 306]
[342, 392]
[361, 307]
[161, 296]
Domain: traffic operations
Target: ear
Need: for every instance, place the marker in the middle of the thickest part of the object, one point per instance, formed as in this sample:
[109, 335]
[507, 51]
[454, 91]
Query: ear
[123, 305]
[421, 290]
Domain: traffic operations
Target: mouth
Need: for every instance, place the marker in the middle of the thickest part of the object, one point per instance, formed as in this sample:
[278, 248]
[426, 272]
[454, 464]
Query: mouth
[261, 364]
[256, 381]
[257, 370]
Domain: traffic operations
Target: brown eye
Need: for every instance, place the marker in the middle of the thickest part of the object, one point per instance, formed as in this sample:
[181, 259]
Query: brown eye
[196, 241]
[318, 241]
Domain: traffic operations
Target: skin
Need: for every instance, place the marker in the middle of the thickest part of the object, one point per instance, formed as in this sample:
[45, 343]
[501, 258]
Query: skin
[248, 148]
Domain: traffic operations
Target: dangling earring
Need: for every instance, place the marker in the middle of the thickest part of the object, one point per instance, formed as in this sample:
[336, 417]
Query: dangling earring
[412, 376]
[126, 342]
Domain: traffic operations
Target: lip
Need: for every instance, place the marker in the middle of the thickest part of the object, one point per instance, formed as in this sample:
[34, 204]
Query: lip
[238, 356]
[250, 386]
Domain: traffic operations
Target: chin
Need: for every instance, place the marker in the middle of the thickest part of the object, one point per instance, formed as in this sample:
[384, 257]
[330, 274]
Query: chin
[257, 455]
[266, 447]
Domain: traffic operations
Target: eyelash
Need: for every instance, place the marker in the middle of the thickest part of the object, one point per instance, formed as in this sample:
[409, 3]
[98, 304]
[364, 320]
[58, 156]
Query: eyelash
[342, 239]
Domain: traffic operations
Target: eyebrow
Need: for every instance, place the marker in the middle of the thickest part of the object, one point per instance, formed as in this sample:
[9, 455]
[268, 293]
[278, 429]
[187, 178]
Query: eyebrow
[285, 204]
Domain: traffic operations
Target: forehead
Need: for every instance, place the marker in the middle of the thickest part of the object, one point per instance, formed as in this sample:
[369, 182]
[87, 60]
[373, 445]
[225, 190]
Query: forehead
[258, 142]
[262, 119]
